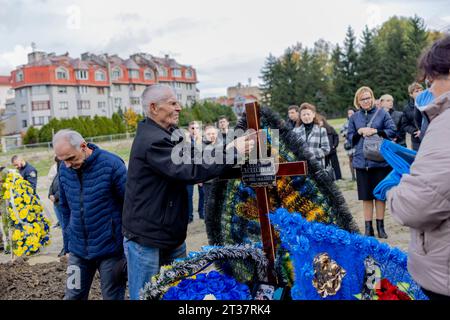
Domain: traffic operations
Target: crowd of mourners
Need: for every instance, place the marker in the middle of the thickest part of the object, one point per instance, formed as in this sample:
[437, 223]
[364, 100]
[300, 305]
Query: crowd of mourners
[128, 222]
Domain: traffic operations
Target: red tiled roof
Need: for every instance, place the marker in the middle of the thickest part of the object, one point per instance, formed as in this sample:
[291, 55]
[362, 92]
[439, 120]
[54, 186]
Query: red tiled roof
[5, 80]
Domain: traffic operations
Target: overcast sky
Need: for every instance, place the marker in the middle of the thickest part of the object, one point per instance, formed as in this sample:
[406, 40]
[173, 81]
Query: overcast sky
[227, 41]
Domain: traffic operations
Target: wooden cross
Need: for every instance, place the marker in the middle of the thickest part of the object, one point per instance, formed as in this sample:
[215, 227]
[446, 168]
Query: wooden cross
[297, 168]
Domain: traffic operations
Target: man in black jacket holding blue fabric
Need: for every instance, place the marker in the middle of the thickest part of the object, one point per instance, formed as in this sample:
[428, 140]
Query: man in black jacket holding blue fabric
[155, 215]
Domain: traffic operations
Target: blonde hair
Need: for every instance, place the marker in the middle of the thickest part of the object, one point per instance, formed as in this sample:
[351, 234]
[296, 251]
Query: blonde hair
[359, 92]
[413, 86]
[386, 97]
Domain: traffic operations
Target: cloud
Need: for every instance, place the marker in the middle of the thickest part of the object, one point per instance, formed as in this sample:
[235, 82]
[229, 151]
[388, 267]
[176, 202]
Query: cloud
[12, 59]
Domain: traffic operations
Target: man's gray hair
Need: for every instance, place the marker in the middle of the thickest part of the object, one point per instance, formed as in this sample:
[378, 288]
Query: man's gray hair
[74, 138]
[156, 93]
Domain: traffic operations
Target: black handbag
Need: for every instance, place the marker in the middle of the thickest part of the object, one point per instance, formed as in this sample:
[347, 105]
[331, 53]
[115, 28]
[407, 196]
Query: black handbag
[372, 144]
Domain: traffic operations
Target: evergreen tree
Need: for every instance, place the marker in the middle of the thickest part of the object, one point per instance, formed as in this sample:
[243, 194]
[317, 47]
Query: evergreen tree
[394, 71]
[349, 68]
[368, 64]
[417, 40]
[338, 99]
[268, 77]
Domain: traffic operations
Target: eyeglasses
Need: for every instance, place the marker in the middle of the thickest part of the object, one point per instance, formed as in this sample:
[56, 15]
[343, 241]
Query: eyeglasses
[365, 99]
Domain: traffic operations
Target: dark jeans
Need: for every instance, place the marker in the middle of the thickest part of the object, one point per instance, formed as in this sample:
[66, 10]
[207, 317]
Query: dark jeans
[190, 190]
[57, 213]
[201, 212]
[206, 195]
[81, 272]
[201, 201]
[435, 296]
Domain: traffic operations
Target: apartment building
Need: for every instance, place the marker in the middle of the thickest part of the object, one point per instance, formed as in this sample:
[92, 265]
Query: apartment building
[58, 86]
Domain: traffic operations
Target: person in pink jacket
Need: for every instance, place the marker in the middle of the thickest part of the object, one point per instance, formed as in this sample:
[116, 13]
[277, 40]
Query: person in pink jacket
[422, 199]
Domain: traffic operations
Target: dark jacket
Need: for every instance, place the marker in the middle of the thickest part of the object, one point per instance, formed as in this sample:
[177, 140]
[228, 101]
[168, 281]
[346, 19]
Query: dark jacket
[400, 134]
[383, 123]
[54, 188]
[29, 173]
[412, 120]
[91, 202]
[333, 138]
[155, 210]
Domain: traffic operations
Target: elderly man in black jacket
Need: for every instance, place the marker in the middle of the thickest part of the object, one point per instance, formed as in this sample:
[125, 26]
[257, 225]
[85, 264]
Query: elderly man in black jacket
[387, 103]
[155, 215]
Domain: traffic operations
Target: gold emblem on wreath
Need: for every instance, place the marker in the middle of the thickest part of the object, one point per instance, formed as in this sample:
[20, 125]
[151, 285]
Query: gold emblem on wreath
[327, 275]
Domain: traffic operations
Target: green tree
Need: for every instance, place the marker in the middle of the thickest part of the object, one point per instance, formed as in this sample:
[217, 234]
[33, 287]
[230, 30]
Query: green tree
[394, 71]
[118, 123]
[368, 60]
[31, 136]
[268, 76]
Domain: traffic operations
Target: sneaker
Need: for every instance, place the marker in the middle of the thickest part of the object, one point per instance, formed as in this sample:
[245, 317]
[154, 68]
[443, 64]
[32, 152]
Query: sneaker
[7, 251]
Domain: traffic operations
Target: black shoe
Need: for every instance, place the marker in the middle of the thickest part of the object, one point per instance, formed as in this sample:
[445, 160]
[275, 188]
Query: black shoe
[57, 225]
[7, 251]
[62, 253]
[190, 220]
[369, 229]
[2, 248]
[380, 228]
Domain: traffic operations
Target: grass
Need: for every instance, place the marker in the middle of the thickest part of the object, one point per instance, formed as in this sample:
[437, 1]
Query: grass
[337, 123]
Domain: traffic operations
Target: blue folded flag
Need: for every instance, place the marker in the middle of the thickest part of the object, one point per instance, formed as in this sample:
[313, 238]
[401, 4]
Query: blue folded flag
[400, 159]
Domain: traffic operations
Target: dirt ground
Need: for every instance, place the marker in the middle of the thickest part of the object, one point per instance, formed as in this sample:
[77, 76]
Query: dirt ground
[43, 276]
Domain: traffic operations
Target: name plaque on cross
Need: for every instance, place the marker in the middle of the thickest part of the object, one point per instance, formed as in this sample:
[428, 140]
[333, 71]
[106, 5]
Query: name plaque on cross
[260, 174]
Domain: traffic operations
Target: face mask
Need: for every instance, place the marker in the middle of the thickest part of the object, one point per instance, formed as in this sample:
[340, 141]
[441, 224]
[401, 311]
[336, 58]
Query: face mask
[424, 99]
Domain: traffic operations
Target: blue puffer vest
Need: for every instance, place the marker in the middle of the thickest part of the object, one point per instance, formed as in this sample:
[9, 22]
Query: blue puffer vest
[91, 202]
[383, 123]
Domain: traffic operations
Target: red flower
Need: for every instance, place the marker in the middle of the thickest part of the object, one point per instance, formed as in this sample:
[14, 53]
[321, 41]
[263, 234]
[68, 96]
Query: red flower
[388, 291]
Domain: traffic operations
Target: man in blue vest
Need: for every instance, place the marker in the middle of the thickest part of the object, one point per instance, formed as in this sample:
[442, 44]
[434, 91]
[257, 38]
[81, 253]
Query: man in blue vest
[91, 195]
[26, 170]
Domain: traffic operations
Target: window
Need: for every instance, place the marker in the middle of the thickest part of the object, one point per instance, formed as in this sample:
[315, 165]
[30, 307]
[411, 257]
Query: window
[23, 108]
[189, 86]
[148, 74]
[82, 74]
[19, 76]
[162, 71]
[101, 104]
[133, 74]
[117, 102]
[21, 92]
[24, 124]
[178, 84]
[82, 89]
[37, 121]
[63, 105]
[39, 90]
[116, 87]
[100, 75]
[179, 96]
[176, 73]
[189, 73]
[83, 104]
[116, 73]
[132, 87]
[62, 74]
[40, 105]
[101, 90]
[62, 90]
[135, 100]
